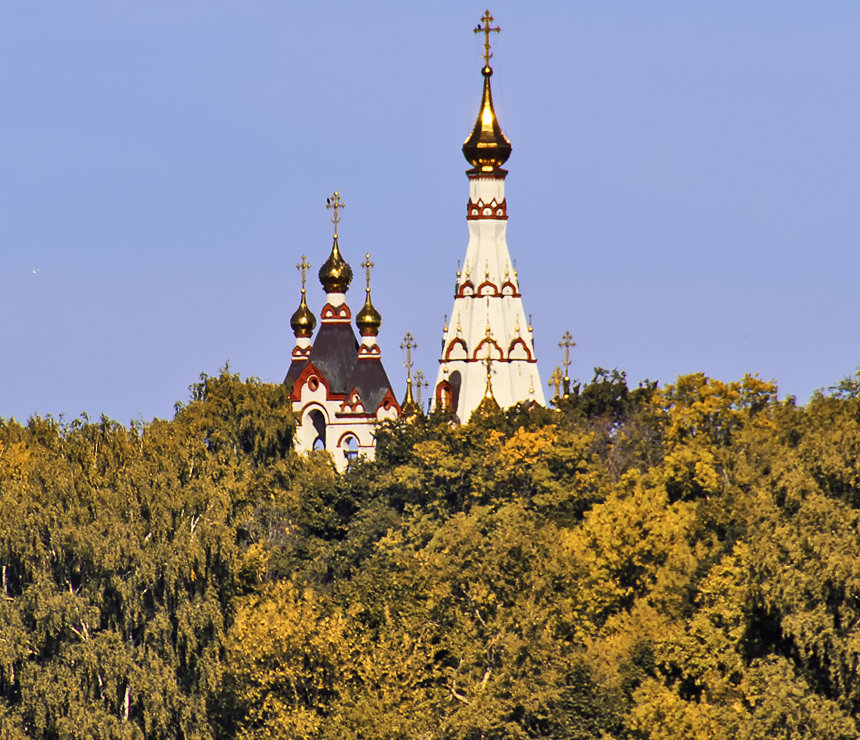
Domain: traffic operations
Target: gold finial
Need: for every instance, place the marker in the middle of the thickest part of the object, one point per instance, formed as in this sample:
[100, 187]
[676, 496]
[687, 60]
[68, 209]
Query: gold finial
[368, 266]
[409, 407]
[507, 272]
[486, 29]
[516, 274]
[486, 269]
[419, 384]
[335, 204]
[335, 274]
[487, 148]
[445, 325]
[530, 327]
[458, 269]
[517, 326]
[468, 270]
[555, 380]
[566, 344]
[459, 327]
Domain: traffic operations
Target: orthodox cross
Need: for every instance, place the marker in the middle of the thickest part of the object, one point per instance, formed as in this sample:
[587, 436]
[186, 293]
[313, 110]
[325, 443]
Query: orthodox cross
[419, 381]
[566, 343]
[555, 380]
[303, 267]
[408, 344]
[368, 266]
[335, 204]
[486, 29]
[488, 392]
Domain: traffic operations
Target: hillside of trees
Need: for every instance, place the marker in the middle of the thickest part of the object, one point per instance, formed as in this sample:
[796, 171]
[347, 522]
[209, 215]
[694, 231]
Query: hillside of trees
[649, 562]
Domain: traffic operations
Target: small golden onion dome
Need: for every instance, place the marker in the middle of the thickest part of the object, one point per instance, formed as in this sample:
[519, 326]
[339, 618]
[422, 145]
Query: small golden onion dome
[335, 274]
[303, 321]
[368, 319]
[487, 148]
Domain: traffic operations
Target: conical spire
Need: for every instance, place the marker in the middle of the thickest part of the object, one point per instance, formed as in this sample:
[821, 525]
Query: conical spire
[487, 148]
[368, 319]
[488, 402]
[409, 407]
[335, 274]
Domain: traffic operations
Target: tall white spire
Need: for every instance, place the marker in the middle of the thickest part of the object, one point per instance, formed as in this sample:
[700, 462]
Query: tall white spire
[488, 321]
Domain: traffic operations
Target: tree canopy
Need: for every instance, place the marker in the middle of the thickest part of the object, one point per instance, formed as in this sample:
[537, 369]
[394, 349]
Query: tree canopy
[649, 562]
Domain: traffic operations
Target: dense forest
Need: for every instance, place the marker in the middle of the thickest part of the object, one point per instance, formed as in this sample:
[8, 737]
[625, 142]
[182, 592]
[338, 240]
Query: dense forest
[648, 562]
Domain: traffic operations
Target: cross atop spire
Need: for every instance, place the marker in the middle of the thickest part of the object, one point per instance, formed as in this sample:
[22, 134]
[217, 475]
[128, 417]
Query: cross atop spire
[408, 344]
[566, 344]
[303, 267]
[486, 29]
[335, 204]
[368, 266]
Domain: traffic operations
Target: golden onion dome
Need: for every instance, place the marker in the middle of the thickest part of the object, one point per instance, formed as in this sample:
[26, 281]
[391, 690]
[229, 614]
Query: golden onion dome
[368, 319]
[487, 148]
[303, 321]
[335, 274]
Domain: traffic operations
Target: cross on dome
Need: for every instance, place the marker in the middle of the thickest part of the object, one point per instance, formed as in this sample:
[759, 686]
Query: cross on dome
[368, 266]
[408, 344]
[335, 204]
[486, 29]
[303, 267]
[566, 344]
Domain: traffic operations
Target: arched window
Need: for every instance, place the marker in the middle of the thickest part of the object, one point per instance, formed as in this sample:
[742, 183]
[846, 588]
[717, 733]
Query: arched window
[318, 420]
[350, 447]
[444, 397]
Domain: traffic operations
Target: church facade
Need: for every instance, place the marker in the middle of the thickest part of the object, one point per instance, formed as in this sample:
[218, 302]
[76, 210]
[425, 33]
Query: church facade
[340, 388]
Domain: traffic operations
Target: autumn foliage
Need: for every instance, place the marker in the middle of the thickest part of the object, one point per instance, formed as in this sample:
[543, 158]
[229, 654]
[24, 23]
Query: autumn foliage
[649, 562]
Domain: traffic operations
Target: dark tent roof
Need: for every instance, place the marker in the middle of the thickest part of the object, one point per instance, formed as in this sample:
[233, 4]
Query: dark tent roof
[371, 381]
[334, 353]
[296, 367]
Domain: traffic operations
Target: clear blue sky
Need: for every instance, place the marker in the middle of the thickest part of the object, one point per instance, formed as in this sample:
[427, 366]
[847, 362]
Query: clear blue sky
[684, 188]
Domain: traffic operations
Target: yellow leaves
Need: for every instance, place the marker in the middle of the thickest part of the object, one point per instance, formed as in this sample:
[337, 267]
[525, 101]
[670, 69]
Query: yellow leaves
[627, 546]
[660, 714]
[521, 450]
[705, 409]
[13, 459]
[285, 654]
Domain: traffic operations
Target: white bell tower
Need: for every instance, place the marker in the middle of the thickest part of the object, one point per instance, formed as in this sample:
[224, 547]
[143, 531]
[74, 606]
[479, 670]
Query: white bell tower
[488, 339]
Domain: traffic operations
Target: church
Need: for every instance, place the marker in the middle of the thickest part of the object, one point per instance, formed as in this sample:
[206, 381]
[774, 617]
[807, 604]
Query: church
[340, 389]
